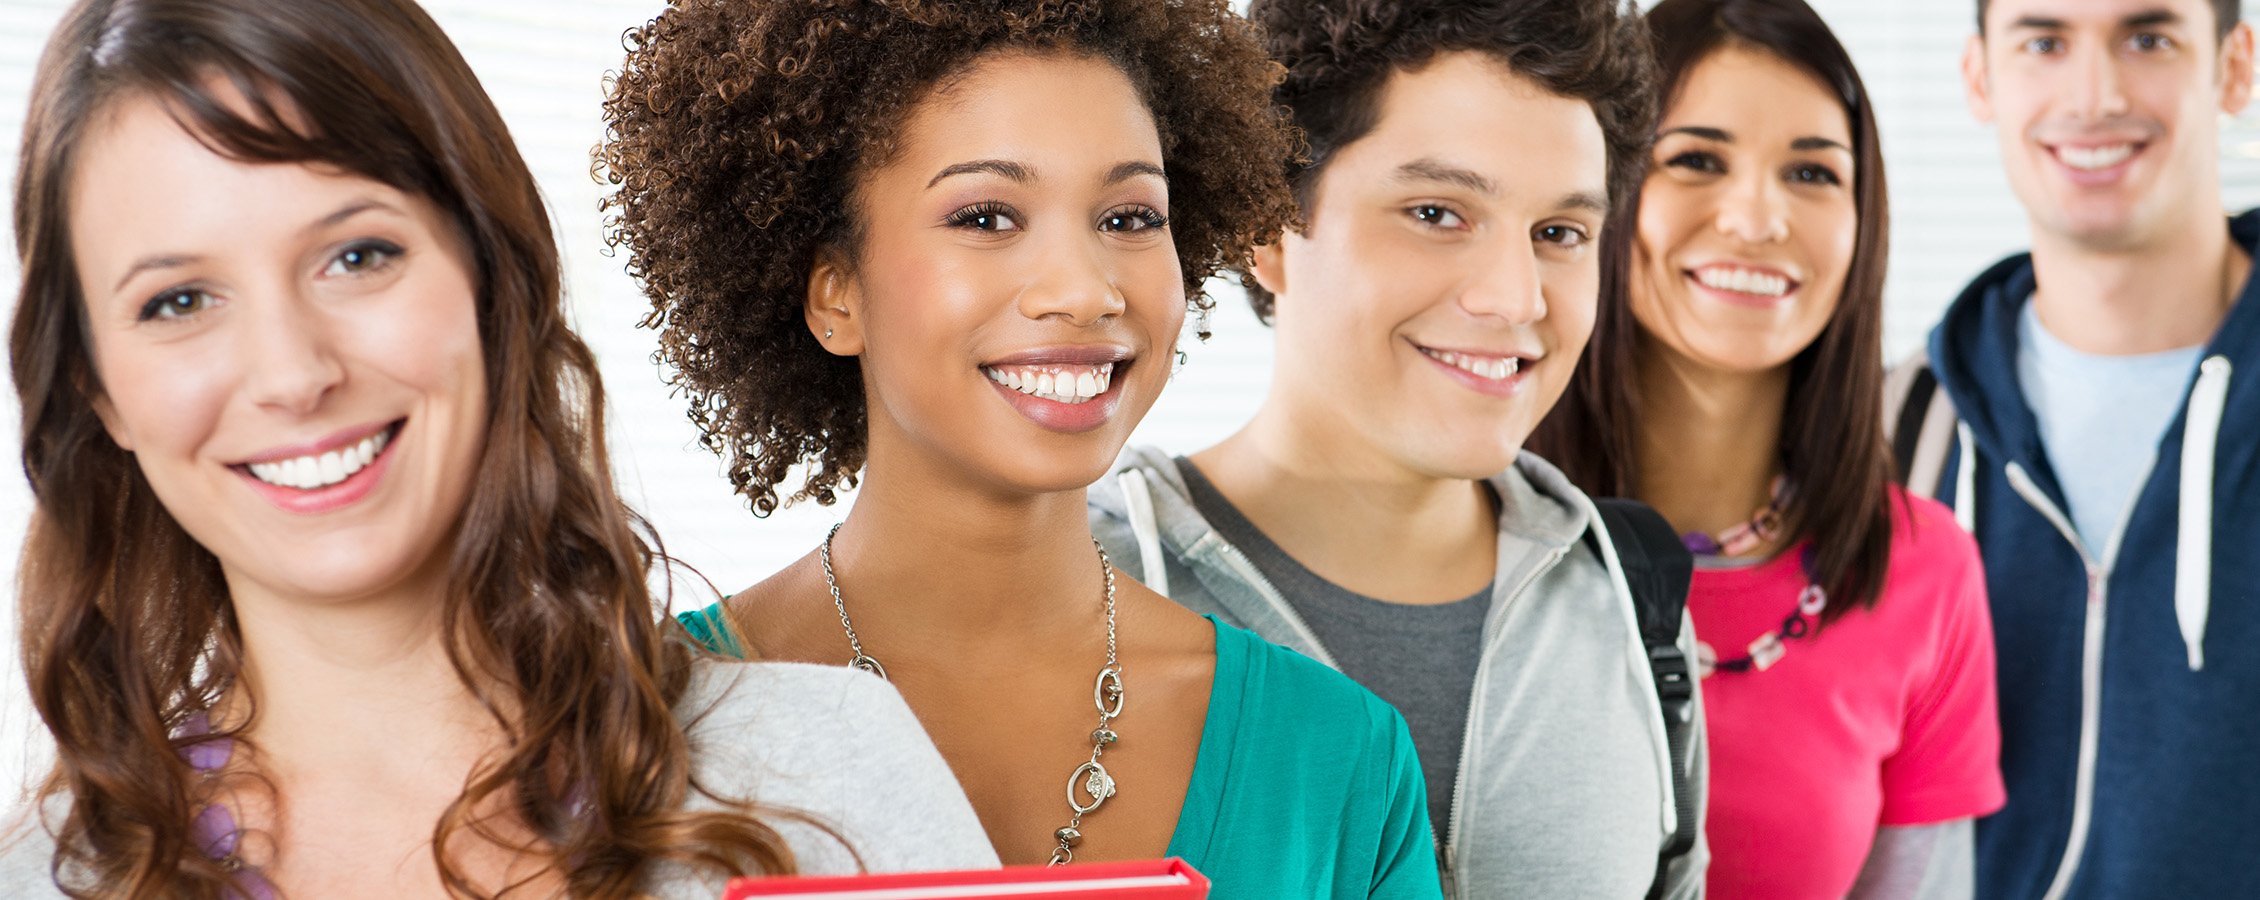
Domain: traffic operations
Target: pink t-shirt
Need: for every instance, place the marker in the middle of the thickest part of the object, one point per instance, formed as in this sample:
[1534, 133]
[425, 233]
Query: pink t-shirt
[1885, 718]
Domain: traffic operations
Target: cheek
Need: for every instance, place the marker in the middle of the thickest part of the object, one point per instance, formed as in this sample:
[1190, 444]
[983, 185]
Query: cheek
[164, 401]
[1153, 290]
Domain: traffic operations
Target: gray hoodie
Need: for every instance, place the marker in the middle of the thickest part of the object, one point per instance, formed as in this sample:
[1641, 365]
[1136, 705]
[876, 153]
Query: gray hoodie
[1564, 788]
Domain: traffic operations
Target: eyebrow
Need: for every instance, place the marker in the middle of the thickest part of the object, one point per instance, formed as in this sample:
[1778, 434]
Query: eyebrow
[175, 261]
[1022, 174]
[1809, 142]
[2143, 19]
[1125, 171]
[1002, 167]
[1435, 170]
[1590, 201]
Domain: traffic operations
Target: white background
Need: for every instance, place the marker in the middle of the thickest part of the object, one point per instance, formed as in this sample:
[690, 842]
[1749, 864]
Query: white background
[544, 63]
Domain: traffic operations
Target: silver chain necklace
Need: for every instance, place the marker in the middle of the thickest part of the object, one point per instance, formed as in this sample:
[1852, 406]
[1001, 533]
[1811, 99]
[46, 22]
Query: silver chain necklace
[1091, 784]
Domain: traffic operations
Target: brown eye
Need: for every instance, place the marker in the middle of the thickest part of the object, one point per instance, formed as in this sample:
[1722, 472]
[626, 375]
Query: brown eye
[178, 303]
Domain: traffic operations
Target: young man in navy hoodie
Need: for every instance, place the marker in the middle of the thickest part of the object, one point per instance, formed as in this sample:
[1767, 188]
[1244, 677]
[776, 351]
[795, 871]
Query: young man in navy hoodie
[2096, 421]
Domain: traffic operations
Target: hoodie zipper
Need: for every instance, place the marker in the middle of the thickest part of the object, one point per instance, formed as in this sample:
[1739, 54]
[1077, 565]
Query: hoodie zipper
[1447, 845]
[2091, 672]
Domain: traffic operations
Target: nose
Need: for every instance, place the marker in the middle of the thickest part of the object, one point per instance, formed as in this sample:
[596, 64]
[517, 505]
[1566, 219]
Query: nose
[1508, 287]
[2097, 88]
[1752, 209]
[1072, 280]
[290, 355]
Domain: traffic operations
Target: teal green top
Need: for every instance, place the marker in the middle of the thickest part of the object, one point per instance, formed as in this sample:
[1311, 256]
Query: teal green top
[1306, 785]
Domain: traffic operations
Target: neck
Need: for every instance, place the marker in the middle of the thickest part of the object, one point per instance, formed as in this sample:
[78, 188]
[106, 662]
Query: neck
[346, 679]
[967, 565]
[1709, 441]
[1331, 499]
[2168, 294]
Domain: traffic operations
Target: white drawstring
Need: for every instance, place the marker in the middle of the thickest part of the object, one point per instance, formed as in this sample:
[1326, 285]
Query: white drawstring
[1140, 500]
[2193, 556]
[1965, 479]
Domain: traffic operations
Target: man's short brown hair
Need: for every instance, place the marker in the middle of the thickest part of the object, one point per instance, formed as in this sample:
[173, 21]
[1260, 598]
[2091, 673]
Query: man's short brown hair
[1340, 53]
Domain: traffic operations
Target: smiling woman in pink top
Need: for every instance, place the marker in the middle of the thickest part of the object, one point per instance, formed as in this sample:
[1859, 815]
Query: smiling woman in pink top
[1735, 383]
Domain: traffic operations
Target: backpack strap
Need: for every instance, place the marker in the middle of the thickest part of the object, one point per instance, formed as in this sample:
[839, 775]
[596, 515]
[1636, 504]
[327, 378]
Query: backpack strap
[1920, 421]
[1659, 569]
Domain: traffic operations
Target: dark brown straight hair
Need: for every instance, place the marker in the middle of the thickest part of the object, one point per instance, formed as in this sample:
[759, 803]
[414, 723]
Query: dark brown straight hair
[1832, 446]
[126, 626]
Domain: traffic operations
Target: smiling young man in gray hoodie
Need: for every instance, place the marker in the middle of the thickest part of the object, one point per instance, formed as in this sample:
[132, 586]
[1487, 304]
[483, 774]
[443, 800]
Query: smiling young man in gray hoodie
[1377, 513]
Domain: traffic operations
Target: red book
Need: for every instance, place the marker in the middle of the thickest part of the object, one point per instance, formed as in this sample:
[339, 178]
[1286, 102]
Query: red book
[1159, 879]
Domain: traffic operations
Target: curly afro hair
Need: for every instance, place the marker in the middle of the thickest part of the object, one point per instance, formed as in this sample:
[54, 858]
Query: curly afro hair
[736, 131]
[1340, 53]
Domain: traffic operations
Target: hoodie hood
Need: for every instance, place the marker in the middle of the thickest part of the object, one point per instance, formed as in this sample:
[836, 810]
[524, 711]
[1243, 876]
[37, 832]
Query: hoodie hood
[1974, 353]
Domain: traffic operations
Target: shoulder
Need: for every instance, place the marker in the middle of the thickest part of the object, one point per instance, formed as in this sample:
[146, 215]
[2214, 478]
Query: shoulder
[1924, 533]
[1285, 690]
[837, 748]
[728, 698]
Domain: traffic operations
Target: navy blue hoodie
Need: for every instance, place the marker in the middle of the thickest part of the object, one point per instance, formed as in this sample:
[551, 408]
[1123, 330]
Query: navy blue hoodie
[2129, 675]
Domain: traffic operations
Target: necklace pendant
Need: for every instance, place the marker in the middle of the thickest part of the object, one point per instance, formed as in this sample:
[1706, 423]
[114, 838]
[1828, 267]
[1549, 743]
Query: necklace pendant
[1107, 693]
[1089, 787]
[869, 665]
[1767, 650]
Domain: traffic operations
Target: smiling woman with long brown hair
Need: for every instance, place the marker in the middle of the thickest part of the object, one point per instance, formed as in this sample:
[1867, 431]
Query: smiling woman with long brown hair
[328, 587]
[1735, 383]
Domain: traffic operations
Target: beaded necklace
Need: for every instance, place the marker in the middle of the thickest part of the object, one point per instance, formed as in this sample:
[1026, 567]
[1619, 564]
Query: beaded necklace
[1762, 528]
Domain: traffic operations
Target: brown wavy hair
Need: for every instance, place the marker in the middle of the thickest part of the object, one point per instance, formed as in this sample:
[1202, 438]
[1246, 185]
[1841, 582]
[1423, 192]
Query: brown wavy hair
[1340, 54]
[1832, 446]
[126, 625]
[737, 130]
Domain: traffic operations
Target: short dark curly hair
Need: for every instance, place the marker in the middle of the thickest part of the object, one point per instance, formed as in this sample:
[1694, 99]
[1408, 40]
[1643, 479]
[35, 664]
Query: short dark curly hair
[1340, 53]
[736, 131]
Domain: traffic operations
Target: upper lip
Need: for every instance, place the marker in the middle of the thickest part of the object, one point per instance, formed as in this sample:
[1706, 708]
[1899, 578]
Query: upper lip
[1532, 355]
[335, 440]
[1065, 355]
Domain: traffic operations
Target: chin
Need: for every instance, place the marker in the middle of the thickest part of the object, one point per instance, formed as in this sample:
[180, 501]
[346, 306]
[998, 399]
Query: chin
[1461, 457]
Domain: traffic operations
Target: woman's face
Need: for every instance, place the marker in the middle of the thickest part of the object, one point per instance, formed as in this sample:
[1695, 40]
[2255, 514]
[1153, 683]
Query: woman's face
[290, 353]
[1016, 296]
[1747, 217]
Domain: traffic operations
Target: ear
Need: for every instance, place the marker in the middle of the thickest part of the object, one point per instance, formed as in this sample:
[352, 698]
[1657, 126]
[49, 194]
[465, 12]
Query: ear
[834, 308]
[2236, 69]
[1270, 267]
[1975, 88]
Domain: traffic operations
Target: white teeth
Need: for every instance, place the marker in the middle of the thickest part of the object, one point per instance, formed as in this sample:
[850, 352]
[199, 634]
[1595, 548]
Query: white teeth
[1496, 368]
[1060, 384]
[319, 471]
[1742, 281]
[2093, 158]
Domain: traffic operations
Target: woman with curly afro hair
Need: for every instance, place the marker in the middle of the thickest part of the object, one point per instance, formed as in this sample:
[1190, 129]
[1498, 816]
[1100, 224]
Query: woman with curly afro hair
[945, 249]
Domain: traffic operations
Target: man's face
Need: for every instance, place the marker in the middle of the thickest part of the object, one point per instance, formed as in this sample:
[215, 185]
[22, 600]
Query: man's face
[1432, 309]
[2107, 111]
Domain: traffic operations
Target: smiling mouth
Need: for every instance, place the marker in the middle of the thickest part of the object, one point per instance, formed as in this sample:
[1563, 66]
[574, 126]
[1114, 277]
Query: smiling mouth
[2096, 159]
[1493, 368]
[1072, 385]
[315, 471]
[1746, 281]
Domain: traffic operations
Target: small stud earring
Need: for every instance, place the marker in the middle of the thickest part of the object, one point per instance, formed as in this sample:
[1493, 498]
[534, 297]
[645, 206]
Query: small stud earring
[827, 333]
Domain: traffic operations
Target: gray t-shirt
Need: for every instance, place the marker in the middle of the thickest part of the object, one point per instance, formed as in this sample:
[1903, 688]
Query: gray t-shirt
[1419, 658]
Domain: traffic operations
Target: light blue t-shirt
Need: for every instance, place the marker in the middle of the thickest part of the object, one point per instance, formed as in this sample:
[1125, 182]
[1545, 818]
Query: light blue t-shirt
[2101, 418]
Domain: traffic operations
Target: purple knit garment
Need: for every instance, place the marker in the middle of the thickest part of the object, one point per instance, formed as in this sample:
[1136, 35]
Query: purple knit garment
[214, 830]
